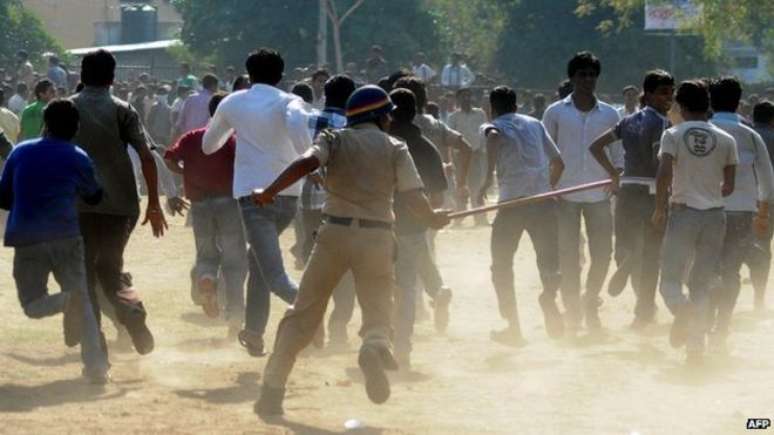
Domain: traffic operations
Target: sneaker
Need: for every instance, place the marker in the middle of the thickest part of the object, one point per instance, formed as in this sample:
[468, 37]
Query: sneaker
[141, 336]
[72, 317]
[376, 382]
[208, 289]
[252, 341]
[678, 334]
[617, 282]
[552, 316]
[270, 402]
[96, 377]
[509, 336]
[441, 304]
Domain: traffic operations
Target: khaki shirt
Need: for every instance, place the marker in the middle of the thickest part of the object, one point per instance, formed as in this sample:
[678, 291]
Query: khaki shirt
[365, 167]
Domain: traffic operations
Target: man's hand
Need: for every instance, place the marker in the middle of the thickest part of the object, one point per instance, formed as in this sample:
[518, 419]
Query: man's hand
[155, 216]
[262, 197]
[177, 205]
[727, 189]
[761, 225]
[440, 219]
[615, 185]
[659, 218]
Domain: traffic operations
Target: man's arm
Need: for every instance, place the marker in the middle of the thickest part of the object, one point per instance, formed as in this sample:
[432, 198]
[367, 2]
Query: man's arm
[5, 146]
[729, 180]
[492, 150]
[6, 185]
[297, 170]
[218, 132]
[597, 149]
[765, 176]
[419, 205]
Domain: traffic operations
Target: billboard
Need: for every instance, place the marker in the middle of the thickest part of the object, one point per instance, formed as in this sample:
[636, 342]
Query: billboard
[670, 14]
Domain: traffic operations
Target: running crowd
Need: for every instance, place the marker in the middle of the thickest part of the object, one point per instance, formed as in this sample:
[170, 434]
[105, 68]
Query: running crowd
[369, 174]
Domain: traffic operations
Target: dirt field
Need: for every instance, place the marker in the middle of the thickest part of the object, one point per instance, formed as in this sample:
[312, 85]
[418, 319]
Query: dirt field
[461, 383]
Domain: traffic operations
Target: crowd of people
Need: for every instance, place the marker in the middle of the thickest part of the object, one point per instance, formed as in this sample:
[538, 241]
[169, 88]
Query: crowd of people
[369, 168]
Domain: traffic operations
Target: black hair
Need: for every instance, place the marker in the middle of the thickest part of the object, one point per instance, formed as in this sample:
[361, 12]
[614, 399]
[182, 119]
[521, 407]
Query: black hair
[54, 60]
[539, 98]
[693, 96]
[406, 105]
[42, 86]
[320, 72]
[337, 90]
[210, 82]
[583, 60]
[763, 112]
[432, 109]
[397, 75]
[655, 78]
[215, 101]
[461, 91]
[564, 89]
[304, 91]
[629, 88]
[21, 87]
[503, 100]
[23, 54]
[417, 86]
[385, 84]
[240, 82]
[98, 68]
[265, 66]
[61, 119]
[725, 94]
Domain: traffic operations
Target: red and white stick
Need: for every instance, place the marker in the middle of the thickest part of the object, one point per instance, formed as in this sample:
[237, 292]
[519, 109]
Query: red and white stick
[530, 199]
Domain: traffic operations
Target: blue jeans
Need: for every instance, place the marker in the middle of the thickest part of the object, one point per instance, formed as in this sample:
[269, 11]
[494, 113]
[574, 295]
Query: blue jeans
[65, 259]
[696, 234]
[220, 245]
[263, 226]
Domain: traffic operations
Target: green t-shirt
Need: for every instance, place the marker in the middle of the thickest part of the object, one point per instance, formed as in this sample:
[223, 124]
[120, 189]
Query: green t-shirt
[32, 120]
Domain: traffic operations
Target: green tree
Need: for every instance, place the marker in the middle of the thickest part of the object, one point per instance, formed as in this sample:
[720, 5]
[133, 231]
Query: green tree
[229, 29]
[720, 21]
[21, 29]
[541, 36]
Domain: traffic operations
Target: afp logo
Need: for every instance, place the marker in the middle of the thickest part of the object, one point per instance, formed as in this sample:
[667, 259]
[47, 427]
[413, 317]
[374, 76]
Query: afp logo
[758, 423]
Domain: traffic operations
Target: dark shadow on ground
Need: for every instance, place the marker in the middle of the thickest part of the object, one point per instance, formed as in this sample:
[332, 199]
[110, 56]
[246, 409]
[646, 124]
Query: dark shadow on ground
[245, 390]
[69, 358]
[27, 398]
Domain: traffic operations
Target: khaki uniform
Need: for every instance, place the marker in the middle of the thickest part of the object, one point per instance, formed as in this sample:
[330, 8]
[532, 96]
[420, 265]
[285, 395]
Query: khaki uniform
[365, 167]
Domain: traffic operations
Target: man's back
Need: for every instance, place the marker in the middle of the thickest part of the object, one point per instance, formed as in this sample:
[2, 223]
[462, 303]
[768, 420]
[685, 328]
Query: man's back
[32, 120]
[41, 178]
[108, 125]
[640, 135]
[365, 167]
[701, 151]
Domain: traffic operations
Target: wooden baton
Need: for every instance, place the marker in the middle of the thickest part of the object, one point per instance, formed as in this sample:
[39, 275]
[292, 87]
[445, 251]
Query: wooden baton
[529, 199]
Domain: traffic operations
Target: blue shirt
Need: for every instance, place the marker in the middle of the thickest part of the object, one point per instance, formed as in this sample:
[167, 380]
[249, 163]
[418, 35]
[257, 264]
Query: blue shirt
[39, 185]
[524, 156]
[640, 135]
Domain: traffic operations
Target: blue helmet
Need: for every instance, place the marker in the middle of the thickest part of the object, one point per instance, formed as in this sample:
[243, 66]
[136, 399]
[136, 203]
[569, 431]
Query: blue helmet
[368, 103]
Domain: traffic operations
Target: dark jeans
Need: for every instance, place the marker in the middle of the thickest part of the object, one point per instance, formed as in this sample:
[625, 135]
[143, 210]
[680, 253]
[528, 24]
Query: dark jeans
[638, 245]
[64, 258]
[599, 230]
[105, 238]
[759, 262]
[736, 248]
[539, 220]
[263, 226]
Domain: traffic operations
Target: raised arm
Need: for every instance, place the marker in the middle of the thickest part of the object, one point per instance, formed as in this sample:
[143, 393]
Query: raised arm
[597, 150]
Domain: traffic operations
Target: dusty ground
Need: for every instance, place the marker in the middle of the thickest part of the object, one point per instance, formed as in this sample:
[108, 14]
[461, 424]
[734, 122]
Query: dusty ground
[461, 383]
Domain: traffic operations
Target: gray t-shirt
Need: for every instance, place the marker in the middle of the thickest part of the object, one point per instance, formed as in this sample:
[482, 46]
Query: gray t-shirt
[701, 151]
[108, 125]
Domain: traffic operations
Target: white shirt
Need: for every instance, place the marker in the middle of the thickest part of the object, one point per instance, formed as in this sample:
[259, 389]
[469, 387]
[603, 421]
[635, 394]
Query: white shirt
[701, 151]
[457, 76]
[468, 123]
[754, 180]
[17, 104]
[271, 128]
[573, 132]
[424, 72]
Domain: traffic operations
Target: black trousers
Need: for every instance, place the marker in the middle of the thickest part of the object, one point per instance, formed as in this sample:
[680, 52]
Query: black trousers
[105, 238]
